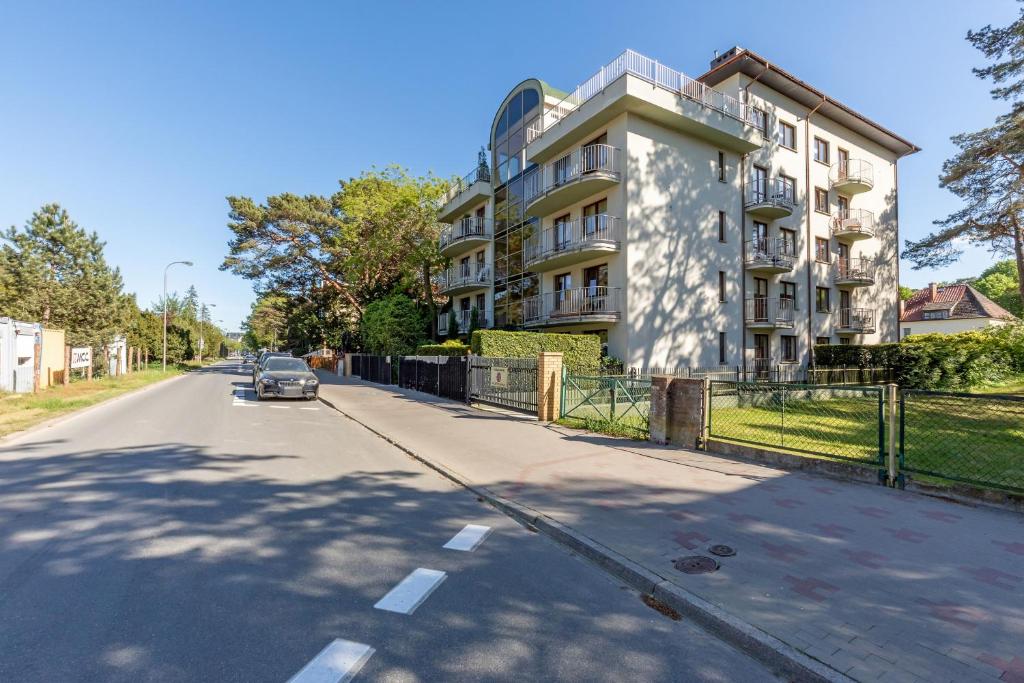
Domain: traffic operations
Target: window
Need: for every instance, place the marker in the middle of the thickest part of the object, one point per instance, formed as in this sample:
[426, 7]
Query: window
[759, 183]
[935, 315]
[844, 206]
[788, 348]
[759, 117]
[721, 286]
[821, 302]
[788, 187]
[721, 167]
[788, 241]
[788, 292]
[760, 233]
[844, 162]
[823, 341]
[845, 341]
[821, 249]
[820, 150]
[562, 230]
[595, 218]
[906, 332]
[787, 135]
[721, 348]
[761, 347]
[821, 200]
[481, 305]
[721, 226]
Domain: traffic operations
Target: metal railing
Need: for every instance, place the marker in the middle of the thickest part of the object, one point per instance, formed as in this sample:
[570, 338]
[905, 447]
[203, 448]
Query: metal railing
[775, 191]
[852, 170]
[860, 221]
[479, 174]
[857, 319]
[574, 235]
[855, 269]
[572, 304]
[603, 402]
[647, 69]
[470, 227]
[769, 311]
[463, 319]
[471, 273]
[771, 251]
[590, 160]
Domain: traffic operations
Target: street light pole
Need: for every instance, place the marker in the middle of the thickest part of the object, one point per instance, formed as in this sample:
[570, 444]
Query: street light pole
[166, 268]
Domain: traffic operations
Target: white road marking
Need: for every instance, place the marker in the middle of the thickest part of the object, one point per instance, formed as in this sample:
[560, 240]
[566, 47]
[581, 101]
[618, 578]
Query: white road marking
[340, 661]
[412, 591]
[471, 536]
[309, 409]
[279, 407]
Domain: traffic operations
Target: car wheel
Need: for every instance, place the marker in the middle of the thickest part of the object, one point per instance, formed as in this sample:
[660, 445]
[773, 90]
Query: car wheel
[259, 394]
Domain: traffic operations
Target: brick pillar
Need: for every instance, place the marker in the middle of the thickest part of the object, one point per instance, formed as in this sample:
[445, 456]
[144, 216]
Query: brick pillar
[677, 411]
[549, 386]
[659, 408]
[347, 368]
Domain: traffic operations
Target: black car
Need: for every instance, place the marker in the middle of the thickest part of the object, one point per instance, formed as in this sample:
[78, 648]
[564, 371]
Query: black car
[258, 365]
[286, 378]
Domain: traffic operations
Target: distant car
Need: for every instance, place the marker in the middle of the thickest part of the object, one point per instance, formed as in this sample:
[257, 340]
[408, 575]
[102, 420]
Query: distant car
[286, 378]
[263, 359]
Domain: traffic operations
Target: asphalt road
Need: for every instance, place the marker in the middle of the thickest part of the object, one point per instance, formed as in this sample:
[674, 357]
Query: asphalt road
[189, 533]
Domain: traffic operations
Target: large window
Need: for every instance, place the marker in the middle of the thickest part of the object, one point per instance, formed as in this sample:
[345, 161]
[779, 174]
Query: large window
[822, 304]
[787, 135]
[820, 150]
[788, 348]
[759, 117]
[821, 200]
[821, 250]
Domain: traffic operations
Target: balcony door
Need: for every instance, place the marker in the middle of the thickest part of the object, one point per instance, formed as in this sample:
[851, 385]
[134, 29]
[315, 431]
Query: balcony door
[596, 281]
[844, 260]
[464, 267]
[595, 155]
[844, 308]
[760, 238]
[760, 298]
[563, 285]
[760, 183]
[762, 352]
[595, 219]
[844, 163]
[478, 224]
[562, 232]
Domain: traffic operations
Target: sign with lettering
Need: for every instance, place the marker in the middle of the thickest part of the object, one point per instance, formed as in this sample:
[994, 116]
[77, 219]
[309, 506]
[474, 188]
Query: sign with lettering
[81, 357]
[499, 377]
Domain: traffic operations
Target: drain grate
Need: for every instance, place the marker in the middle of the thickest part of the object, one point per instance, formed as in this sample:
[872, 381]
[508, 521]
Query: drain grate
[696, 564]
[722, 550]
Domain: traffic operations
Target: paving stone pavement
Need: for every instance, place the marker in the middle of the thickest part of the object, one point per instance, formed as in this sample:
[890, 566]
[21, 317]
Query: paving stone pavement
[876, 583]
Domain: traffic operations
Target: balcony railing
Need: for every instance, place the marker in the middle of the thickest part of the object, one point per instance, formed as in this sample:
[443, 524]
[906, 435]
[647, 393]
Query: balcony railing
[466, 275]
[463, 319]
[600, 230]
[853, 223]
[591, 160]
[479, 174]
[572, 305]
[471, 227]
[857, 319]
[771, 191]
[852, 171]
[766, 311]
[774, 252]
[650, 70]
[858, 269]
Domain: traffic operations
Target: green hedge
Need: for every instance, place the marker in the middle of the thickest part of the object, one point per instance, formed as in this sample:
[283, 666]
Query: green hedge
[580, 352]
[448, 348]
[938, 361]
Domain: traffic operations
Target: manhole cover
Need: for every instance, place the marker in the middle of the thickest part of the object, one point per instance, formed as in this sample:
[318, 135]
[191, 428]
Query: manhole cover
[722, 550]
[696, 564]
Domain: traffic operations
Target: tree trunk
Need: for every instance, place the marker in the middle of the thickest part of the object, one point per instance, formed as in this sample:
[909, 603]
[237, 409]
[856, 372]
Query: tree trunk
[1018, 254]
[428, 294]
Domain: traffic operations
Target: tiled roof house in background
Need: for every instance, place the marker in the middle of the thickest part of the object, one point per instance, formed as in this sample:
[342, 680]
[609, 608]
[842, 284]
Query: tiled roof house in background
[949, 309]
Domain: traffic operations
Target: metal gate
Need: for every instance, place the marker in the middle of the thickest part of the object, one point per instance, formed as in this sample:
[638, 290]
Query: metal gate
[506, 382]
[443, 376]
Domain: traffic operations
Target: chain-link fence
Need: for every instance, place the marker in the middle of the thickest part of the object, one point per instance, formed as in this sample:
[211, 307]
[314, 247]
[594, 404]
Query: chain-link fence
[972, 438]
[837, 422]
[608, 402]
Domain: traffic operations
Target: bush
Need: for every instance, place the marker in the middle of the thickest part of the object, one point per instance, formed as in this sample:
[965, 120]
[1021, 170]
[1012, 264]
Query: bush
[392, 326]
[580, 352]
[451, 347]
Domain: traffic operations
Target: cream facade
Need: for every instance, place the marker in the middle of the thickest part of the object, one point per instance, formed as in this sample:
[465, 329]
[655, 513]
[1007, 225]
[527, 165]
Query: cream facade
[734, 219]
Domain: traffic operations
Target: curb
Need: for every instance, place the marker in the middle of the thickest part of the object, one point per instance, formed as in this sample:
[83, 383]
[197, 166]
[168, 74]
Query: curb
[767, 649]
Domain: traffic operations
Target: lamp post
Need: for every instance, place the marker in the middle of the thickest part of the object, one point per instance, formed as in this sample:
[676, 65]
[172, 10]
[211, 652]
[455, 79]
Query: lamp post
[184, 263]
[202, 316]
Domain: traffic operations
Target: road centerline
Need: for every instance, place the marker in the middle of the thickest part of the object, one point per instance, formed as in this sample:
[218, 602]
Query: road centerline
[469, 539]
[340, 661]
[411, 591]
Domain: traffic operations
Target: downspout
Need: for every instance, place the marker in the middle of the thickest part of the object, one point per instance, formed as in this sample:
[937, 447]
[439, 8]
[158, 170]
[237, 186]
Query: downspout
[810, 237]
[743, 262]
[896, 230]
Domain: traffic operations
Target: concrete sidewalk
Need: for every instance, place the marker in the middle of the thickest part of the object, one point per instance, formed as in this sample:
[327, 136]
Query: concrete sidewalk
[874, 583]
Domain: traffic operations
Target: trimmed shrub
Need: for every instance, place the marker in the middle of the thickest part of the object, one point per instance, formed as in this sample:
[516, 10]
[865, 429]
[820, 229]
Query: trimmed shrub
[580, 352]
[392, 326]
[451, 347]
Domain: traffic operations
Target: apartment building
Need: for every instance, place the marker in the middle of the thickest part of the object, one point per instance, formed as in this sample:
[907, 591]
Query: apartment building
[737, 218]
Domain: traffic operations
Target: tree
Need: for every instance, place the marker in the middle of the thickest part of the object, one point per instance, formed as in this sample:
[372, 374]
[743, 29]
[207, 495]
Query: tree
[453, 324]
[393, 326]
[906, 292]
[190, 304]
[266, 322]
[474, 322]
[988, 171]
[1000, 283]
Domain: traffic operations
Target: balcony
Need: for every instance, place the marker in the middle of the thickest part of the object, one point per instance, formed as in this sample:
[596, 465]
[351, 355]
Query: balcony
[854, 272]
[465, 193]
[574, 241]
[463, 278]
[856, 320]
[462, 318]
[762, 313]
[770, 199]
[853, 224]
[852, 176]
[571, 178]
[464, 235]
[572, 307]
[775, 255]
[637, 84]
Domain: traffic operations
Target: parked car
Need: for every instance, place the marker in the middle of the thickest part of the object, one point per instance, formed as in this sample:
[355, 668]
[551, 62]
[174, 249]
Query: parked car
[258, 365]
[286, 378]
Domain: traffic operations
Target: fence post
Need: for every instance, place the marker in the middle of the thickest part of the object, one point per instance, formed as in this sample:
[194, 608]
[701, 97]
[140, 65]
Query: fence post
[782, 434]
[893, 465]
[614, 392]
[549, 386]
[705, 420]
[67, 365]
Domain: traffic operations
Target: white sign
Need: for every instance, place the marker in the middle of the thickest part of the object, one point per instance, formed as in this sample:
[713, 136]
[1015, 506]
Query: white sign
[499, 377]
[81, 357]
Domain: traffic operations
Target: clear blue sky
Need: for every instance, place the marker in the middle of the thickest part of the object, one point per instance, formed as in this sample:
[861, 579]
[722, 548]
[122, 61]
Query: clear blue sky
[140, 117]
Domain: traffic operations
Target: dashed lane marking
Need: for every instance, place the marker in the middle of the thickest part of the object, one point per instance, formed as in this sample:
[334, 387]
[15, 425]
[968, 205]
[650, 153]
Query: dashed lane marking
[471, 536]
[412, 591]
[340, 661]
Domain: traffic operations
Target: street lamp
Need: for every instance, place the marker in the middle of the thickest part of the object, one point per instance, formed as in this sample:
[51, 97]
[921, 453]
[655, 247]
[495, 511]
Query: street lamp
[172, 263]
[202, 316]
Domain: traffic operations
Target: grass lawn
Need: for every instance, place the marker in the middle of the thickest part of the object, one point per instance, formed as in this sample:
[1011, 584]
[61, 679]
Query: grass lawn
[21, 411]
[1012, 386]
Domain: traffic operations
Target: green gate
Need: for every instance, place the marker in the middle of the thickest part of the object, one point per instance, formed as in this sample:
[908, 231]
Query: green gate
[600, 402]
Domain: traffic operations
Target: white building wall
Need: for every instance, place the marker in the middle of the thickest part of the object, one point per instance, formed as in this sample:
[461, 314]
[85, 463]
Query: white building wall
[950, 326]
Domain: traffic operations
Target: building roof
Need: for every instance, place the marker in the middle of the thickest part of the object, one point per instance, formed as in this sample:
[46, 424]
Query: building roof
[961, 300]
[756, 66]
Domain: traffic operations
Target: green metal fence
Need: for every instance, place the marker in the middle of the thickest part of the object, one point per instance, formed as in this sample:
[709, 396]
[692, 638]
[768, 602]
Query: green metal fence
[977, 439]
[837, 422]
[611, 402]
